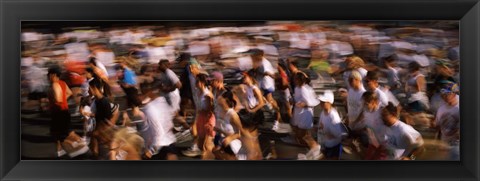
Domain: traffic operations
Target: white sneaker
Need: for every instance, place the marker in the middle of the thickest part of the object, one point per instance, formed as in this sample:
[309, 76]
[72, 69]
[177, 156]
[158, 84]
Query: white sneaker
[192, 151]
[314, 153]
[61, 153]
[183, 136]
[81, 151]
[301, 156]
[282, 128]
[269, 156]
[75, 148]
[275, 125]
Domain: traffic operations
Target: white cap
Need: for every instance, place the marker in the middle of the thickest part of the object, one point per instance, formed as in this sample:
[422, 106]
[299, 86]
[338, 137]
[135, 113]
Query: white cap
[326, 97]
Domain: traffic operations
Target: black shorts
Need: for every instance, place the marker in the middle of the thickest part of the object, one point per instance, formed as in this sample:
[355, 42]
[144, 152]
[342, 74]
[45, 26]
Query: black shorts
[75, 86]
[60, 125]
[164, 151]
[218, 139]
[37, 95]
[132, 96]
[333, 152]
[186, 93]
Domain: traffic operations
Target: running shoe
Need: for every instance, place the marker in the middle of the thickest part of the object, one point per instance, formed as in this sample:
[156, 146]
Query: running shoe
[314, 153]
[301, 156]
[75, 148]
[192, 151]
[281, 128]
[61, 153]
[183, 136]
[275, 125]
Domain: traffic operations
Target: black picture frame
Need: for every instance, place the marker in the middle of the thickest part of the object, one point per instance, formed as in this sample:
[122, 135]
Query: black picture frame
[15, 11]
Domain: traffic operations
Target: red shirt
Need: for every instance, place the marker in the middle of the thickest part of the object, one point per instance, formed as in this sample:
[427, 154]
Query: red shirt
[61, 105]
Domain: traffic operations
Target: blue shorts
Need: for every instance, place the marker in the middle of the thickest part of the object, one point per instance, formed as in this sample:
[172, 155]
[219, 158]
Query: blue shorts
[332, 152]
[267, 91]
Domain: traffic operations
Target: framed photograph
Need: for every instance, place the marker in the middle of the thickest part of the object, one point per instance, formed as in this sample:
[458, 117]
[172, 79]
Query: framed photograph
[193, 90]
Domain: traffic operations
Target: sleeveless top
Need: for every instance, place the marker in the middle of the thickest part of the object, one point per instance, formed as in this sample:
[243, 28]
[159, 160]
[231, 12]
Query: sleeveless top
[412, 82]
[252, 100]
[203, 100]
[226, 125]
[61, 105]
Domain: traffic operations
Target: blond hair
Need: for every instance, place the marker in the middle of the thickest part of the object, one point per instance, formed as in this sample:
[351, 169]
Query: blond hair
[355, 75]
[355, 62]
[130, 139]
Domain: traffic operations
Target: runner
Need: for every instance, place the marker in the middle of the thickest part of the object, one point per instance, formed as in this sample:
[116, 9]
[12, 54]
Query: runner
[169, 84]
[106, 115]
[330, 128]
[158, 128]
[416, 89]
[354, 99]
[402, 141]
[205, 118]
[229, 130]
[372, 126]
[447, 119]
[302, 120]
[60, 126]
[264, 74]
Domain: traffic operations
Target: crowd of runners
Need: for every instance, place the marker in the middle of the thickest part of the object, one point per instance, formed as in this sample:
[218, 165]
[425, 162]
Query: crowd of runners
[332, 88]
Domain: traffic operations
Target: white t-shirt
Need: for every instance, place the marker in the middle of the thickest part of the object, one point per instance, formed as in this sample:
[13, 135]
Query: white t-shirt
[303, 117]
[382, 97]
[399, 137]
[267, 81]
[373, 120]
[330, 124]
[168, 78]
[448, 119]
[159, 118]
[354, 104]
[390, 97]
